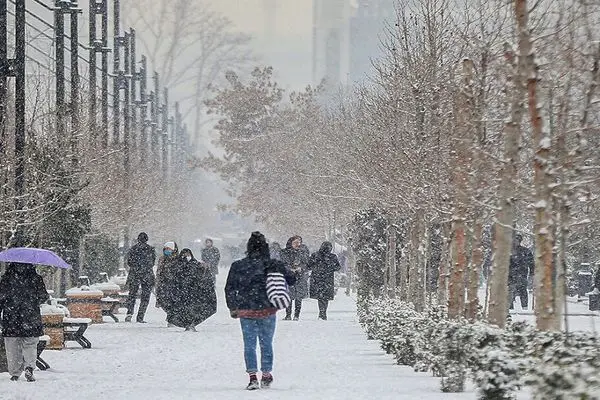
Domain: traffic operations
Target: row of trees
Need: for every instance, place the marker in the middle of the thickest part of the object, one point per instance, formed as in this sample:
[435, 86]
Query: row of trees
[82, 200]
[480, 112]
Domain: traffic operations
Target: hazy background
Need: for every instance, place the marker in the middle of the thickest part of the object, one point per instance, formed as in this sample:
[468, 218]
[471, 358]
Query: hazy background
[305, 41]
[282, 35]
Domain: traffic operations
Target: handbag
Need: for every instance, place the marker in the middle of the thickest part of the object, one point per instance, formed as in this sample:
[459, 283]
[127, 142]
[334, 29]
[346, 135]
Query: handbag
[277, 290]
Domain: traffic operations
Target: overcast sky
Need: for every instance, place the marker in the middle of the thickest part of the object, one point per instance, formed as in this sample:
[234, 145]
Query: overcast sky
[288, 46]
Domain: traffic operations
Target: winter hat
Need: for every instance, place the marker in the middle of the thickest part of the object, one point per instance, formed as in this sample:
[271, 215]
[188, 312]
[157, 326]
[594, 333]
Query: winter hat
[326, 248]
[172, 246]
[143, 237]
[257, 246]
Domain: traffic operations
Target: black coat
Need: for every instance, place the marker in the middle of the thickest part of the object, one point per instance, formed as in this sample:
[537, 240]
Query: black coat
[521, 266]
[296, 260]
[246, 287]
[190, 296]
[22, 291]
[323, 264]
[211, 256]
[165, 276]
[140, 259]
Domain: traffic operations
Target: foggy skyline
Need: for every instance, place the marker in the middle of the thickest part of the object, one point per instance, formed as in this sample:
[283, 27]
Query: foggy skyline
[282, 37]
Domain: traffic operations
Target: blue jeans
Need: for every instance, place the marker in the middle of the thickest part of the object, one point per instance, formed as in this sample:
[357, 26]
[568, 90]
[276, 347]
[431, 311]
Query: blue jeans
[263, 330]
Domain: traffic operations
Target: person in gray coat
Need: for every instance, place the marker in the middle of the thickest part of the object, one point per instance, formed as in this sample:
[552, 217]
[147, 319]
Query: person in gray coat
[295, 256]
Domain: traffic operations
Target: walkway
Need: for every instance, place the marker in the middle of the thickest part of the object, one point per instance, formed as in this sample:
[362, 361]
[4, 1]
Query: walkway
[317, 360]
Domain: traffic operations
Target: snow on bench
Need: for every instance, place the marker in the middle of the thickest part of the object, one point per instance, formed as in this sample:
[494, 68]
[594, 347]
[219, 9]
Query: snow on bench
[77, 320]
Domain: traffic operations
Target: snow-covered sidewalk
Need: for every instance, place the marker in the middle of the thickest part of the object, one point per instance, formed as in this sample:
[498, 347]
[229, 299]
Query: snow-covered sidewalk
[313, 360]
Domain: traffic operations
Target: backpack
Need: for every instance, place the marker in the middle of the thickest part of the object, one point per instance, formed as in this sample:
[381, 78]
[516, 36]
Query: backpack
[277, 290]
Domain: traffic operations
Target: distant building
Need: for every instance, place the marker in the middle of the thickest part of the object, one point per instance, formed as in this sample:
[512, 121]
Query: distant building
[331, 41]
[367, 25]
[346, 37]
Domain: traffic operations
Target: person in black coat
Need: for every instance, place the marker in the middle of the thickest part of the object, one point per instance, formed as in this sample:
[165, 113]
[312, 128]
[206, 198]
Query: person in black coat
[211, 255]
[520, 272]
[191, 293]
[246, 296]
[22, 291]
[295, 256]
[323, 265]
[140, 259]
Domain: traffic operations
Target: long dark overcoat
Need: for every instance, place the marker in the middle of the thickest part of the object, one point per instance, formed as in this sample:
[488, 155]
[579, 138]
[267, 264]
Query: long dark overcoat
[22, 291]
[296, 260]
[190, 293]
[323, 265]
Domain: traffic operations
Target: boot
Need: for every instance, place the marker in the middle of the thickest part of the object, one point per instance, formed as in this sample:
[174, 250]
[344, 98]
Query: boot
[128, 318]
[29, 374]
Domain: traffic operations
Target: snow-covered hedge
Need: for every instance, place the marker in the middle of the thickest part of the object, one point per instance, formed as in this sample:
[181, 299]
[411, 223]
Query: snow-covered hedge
[555, 365]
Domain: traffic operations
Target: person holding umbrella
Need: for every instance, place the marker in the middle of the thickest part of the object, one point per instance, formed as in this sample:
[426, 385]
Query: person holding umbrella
[22, 291]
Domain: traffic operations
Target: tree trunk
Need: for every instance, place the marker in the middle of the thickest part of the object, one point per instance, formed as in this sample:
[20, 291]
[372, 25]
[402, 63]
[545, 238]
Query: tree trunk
[462, 161]
[444, 265]
[562, 203]
[416, 288]
[498, 285]
[545, 309]
[404, 271]
[475, 271]
[456, 288]
[392, 233]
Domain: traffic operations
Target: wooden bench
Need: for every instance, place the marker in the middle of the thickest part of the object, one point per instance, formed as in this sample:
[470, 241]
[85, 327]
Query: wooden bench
[110, 307]
[75, 328]
[40, 362]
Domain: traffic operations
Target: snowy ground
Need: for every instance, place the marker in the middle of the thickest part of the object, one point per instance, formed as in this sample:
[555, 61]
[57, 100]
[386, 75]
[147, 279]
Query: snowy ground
[314, 359]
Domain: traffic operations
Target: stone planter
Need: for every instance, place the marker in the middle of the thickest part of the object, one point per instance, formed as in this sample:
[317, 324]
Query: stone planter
[53, 328]
[85, 302]
[52, 318]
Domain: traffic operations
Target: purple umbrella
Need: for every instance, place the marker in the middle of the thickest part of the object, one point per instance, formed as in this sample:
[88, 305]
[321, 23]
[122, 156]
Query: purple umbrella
[26, 255]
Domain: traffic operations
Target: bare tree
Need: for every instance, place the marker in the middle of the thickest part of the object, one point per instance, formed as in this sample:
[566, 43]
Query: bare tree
[190, 45]
[505, 216]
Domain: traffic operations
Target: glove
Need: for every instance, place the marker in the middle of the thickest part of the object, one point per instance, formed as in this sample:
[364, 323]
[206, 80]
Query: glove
[233, 314]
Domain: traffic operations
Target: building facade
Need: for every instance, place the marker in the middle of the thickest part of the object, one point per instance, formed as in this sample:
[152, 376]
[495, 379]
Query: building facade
[346, 38]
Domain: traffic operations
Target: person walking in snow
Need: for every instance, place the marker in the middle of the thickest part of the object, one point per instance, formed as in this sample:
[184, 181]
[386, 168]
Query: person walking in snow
[323, 264]
[275, 249]
[247, 299]
[164, 272]
[211, 256]
[295, 256]
[22, 291]
[520, 272]
[191, 296]
[140, 259]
